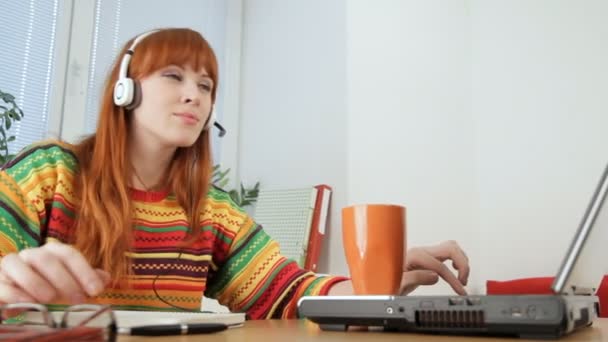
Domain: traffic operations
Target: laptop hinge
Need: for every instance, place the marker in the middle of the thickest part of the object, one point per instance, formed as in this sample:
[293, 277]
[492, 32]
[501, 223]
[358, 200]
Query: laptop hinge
[579, 291]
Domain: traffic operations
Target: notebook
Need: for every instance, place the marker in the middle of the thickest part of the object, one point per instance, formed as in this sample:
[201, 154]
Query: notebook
[23, 328]
[571, 307]
[129, 319]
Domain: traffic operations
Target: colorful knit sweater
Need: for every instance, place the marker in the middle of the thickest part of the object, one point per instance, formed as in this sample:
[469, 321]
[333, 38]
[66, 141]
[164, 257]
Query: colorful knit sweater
[234, 260]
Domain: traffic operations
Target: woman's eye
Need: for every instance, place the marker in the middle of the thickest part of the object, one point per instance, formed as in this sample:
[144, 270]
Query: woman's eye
[174, 76]
[205, 87]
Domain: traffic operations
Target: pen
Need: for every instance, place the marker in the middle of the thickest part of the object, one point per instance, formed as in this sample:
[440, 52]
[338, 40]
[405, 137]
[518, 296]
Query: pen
[173, 329]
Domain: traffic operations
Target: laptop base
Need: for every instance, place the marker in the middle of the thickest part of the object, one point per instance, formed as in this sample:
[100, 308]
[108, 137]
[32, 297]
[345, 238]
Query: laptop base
[524, 316]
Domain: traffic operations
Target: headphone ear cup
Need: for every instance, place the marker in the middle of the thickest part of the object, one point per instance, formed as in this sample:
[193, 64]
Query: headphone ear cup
[123, 92]
[136, 97]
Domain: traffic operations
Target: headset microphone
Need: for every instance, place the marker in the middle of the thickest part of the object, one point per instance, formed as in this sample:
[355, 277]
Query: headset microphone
[221, 128]
[212, 121]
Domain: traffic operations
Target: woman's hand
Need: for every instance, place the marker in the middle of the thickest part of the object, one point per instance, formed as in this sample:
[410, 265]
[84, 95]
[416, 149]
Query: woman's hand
[424, 266]
[48, 273]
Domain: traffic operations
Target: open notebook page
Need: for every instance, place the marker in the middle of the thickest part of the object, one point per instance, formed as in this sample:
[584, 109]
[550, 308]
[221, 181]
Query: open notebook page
[128, 319]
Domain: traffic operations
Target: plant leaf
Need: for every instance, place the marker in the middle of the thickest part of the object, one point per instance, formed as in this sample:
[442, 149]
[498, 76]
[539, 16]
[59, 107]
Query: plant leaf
[6, 97]
[242, 196]
[223, 183]
[219, 177]
[235, 197]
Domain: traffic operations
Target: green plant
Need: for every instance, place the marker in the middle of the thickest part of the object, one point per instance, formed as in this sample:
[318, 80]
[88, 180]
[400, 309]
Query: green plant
[9, 112]
[242, 196]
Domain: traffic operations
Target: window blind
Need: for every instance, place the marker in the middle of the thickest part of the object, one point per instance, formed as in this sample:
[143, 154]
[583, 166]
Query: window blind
[27, 49]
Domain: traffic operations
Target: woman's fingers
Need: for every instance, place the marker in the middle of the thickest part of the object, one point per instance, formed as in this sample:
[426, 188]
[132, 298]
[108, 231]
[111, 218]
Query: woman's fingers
[53, 269]
[463, 272]
[412, 279]
[87, 278]
[423, 260]
[12, 294]
[104, 276]
[25, 278]
[5, 280]
[450, 250]
[44, 274]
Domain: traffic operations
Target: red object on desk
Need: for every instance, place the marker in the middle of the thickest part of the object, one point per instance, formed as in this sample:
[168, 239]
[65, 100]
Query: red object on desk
[318, 227]
[541, 285]
[602, 293]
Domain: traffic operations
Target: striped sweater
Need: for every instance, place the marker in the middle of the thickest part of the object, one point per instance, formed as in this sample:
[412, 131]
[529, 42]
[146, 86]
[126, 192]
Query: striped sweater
[234, 260]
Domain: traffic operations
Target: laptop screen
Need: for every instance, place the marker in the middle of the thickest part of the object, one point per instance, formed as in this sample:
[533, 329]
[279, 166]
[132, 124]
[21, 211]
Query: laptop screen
[585, 263]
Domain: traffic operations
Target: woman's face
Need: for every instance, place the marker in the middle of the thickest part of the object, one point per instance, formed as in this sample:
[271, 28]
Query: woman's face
[176, 102]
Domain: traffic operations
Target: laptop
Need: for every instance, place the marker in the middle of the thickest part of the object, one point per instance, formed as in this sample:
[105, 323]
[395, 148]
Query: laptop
[551, 316]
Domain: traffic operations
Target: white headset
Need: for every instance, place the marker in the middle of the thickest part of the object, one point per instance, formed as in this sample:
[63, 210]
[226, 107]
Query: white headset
[127, 92]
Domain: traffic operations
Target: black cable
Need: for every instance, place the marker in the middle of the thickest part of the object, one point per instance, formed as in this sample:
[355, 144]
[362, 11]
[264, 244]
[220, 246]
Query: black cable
[181, 251]
[161, 298]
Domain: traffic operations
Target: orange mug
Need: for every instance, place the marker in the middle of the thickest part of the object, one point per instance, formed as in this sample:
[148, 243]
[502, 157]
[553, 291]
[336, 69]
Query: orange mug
[374, 237]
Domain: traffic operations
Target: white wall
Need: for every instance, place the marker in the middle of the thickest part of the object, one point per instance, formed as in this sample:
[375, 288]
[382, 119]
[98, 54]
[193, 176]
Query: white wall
[486, 119]
[539, 98]
[293, 109]
[411, 131]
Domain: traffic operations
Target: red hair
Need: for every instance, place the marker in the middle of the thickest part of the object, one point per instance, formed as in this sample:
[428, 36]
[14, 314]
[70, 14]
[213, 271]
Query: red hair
[103, 225]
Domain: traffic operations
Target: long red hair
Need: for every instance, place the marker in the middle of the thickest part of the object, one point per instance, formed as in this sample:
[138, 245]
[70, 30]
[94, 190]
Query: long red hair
[103, 225]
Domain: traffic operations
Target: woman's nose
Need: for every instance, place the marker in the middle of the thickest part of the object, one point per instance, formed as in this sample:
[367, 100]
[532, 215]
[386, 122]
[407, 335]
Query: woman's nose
[191, 95]
[192, 100]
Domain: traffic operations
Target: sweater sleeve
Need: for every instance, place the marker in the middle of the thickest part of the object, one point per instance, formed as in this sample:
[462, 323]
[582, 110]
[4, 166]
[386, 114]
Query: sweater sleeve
[28, 187]
[255, 278]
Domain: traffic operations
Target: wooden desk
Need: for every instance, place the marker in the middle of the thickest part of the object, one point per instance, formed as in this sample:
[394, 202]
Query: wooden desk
[302, 331]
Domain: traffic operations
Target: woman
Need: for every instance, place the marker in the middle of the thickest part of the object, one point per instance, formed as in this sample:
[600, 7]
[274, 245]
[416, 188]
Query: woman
[127, 216]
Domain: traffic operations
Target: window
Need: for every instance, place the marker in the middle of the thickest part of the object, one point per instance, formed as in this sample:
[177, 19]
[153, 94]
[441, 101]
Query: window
[55, 54]
[30, 61]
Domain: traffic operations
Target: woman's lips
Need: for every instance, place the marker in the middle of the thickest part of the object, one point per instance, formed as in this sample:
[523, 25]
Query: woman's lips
[188, 118]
